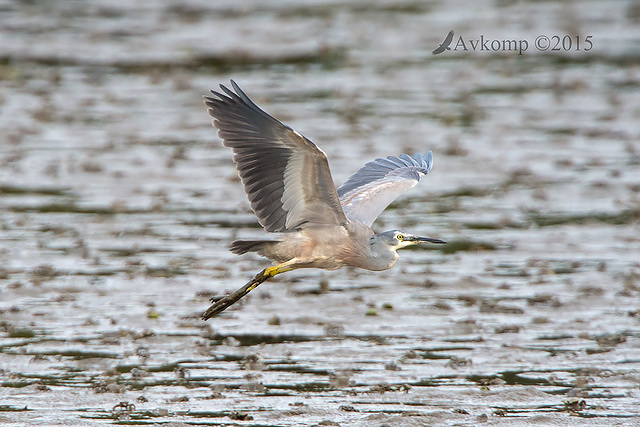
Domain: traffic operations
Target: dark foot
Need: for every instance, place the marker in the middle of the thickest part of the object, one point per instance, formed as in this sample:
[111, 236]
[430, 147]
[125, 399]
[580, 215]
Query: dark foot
[216, 298]
[220, 304]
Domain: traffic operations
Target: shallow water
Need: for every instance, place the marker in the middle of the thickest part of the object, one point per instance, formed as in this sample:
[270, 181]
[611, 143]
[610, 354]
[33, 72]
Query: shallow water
[117, 203]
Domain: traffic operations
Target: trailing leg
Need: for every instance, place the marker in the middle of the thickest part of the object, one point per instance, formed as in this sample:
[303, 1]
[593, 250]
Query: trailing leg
[227, 301]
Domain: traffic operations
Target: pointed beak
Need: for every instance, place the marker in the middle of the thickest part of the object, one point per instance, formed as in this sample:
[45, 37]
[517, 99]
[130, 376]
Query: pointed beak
[418, 239]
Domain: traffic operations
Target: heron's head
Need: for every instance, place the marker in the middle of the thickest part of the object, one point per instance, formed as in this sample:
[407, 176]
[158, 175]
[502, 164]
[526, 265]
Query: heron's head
[397, 239]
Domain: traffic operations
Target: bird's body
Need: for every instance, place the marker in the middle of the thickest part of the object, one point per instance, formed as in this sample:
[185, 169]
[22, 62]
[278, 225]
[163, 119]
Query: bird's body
[349, 245]
[291, 191]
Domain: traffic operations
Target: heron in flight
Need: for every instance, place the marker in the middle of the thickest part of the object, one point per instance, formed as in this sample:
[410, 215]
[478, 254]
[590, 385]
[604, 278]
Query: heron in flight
[291, 191]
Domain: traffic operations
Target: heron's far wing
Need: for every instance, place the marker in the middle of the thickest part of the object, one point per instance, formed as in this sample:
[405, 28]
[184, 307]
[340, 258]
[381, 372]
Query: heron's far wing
[378, 183]
[285, 175]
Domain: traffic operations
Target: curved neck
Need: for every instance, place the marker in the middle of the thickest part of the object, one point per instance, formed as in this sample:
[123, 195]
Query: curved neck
[382, 257]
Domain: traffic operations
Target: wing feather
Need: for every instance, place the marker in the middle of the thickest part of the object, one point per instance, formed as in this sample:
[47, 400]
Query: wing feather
[378, 183]
[285, 175]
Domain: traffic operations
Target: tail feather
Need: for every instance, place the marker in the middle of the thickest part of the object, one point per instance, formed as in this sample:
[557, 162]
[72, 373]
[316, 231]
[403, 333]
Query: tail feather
[240, 247]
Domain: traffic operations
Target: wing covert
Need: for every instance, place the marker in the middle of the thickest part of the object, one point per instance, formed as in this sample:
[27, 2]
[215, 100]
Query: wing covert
[378, 183]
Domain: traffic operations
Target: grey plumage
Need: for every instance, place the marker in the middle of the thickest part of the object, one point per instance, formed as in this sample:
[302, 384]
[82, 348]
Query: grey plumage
[266, 154]
[240, 247]
[291, 191]
[372, 188]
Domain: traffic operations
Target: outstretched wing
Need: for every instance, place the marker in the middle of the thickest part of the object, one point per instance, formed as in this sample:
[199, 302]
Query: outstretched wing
[378, 183]
[285, 176]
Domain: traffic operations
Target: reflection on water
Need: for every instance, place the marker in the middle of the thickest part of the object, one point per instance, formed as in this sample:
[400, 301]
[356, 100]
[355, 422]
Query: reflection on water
[117, 203]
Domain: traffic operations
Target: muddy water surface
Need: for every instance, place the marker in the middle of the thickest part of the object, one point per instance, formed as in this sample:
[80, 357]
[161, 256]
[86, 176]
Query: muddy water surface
[117, 204]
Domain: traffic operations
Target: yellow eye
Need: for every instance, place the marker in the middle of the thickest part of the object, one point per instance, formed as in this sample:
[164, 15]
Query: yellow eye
[400, 237]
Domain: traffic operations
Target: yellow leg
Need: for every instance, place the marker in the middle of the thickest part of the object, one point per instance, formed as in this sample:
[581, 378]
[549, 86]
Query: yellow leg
[227, 301]
[276, 269]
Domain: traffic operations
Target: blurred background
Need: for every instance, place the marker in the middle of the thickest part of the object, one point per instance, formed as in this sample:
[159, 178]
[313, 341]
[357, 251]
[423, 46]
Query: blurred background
[117, 204]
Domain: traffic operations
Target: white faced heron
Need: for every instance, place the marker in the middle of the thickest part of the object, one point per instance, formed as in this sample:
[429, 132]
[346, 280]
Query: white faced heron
[289, 185]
